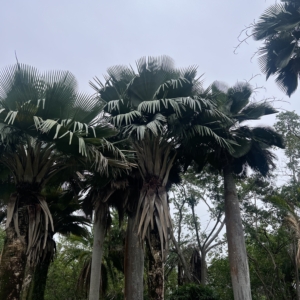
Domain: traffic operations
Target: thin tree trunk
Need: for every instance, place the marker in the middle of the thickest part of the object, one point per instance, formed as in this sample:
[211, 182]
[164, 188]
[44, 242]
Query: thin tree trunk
[182, 263]
[236, 243]
[201, 248]
[177, 245]
[12, 267]
[203, 267]
[296, 271]
[156, 268]
[100, 221]
[134, 263]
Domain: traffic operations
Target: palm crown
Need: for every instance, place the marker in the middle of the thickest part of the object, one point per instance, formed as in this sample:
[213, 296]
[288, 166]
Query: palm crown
[279, 28]
[251, 143]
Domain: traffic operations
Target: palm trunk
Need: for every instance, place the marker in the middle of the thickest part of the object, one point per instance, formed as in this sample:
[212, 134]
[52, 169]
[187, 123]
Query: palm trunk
[134, 263]
[236, 243]
[156, 268]
[155, 160]
[13, 263]
[36, 278]
[27, 282]
[99, 235]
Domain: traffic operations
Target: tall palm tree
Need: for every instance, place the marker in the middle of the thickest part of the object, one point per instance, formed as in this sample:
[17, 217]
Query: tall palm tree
[45, 127]
[153, 106]
[252, 149]
[279, 29]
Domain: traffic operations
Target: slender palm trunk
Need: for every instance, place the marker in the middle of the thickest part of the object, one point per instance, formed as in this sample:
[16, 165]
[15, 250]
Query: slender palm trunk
[13, 263]
[156, 268]
[236, 243]
[134, 263]
[99, 235]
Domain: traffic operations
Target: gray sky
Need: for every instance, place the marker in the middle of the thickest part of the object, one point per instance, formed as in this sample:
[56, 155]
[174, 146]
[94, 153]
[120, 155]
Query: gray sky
[86, 37]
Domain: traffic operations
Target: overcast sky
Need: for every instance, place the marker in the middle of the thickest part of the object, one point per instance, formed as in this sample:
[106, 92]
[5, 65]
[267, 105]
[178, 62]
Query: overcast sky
[87, 37]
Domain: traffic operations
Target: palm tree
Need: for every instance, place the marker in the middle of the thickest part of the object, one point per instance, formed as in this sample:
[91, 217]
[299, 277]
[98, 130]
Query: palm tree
[251, 150]
[279, 29]
[154, 106]
[46, 126]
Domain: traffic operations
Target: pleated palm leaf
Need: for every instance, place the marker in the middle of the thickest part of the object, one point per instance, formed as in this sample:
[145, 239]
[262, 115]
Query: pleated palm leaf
[252, 150]
[154, 106]
[279, 29]
[45, 126]
[49, 106]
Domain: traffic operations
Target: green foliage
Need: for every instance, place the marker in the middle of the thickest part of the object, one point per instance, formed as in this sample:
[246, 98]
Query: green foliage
[62, 279]
[195, 292]
[288, 124]
[219, 277]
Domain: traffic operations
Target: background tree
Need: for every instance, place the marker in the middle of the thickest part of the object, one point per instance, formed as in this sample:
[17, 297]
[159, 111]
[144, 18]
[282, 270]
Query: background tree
[205, 188]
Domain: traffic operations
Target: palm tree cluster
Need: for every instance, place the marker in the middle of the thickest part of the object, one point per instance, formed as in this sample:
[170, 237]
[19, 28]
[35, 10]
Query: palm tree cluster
[122, 147]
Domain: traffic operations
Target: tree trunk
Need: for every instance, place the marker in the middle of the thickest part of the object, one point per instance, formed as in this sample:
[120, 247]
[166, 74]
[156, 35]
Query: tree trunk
[100, 221]
[27, 282]
[296, 271]
[236, 243]
[13, 262]
[182, 263]
[203, 267]
[134, 263]
[37, 279]
[156, 268]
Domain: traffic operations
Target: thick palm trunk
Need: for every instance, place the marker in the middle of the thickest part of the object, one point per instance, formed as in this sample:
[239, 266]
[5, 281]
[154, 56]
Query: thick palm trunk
[156, 269]
[236, 243]
[134, 263]
[13, 263]
[27, 282]
[155, 160]
[36, 279]
[99, 235]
